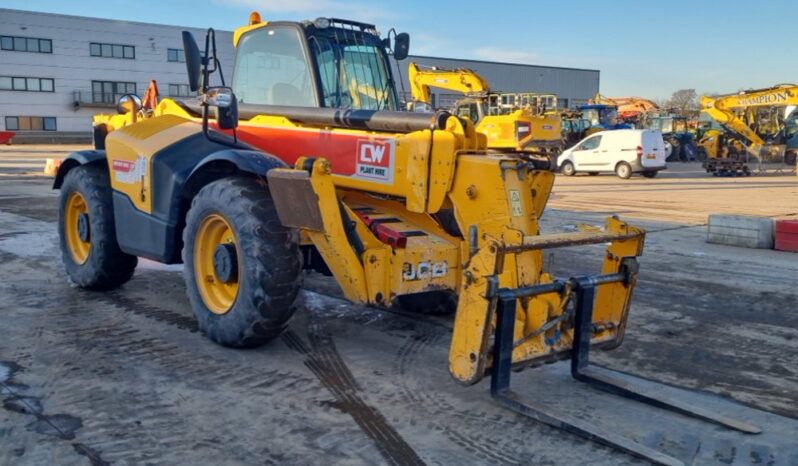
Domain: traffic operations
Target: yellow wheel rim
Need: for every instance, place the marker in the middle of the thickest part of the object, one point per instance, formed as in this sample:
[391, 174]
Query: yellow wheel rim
[217, 295]
[75, 208]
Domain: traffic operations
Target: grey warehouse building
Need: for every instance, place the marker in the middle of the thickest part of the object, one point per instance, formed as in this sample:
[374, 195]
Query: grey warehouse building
[57, 70]
[573, 86]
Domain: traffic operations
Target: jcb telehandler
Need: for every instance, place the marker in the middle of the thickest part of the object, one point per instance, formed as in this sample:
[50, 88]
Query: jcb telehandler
[308, 164]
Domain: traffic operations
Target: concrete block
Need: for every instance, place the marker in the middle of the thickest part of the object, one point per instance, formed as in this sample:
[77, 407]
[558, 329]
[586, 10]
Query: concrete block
[787, 235]
[740, 230]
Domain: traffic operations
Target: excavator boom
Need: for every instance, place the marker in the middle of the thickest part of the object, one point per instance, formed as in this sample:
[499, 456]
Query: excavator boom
[738, 113]
[459, 80]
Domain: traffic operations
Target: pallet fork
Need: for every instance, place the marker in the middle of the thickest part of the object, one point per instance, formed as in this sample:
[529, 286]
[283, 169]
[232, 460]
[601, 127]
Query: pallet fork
[583, 289]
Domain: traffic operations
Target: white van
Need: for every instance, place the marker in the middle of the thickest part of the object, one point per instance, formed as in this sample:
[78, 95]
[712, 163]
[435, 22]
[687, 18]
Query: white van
[623, 151]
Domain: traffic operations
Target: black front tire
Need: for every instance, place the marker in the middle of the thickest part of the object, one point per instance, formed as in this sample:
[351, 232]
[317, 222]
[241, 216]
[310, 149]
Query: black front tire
[269, 262]
[567, 169]
[107, 266]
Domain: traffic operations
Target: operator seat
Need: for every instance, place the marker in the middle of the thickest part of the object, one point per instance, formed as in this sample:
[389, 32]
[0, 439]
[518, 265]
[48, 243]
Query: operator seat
[288, 94]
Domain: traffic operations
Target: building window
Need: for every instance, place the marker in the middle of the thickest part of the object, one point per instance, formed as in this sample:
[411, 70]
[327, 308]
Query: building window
[179, 90]
[13, 83]
[112, 50]
[176, 55]
[30, 123]
[26, 44]
[109, 92]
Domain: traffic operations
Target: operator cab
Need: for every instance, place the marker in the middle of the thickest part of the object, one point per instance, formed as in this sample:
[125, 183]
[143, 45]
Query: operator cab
[668, 124]
[602, 116]
[328, 62]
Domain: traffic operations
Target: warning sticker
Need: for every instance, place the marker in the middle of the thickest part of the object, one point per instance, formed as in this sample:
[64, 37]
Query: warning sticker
[375, 160]
[515, 203]
[129, 172]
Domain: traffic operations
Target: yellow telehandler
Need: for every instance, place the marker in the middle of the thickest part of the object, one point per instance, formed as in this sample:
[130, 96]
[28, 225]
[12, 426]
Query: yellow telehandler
[307, 163]
[518, 122]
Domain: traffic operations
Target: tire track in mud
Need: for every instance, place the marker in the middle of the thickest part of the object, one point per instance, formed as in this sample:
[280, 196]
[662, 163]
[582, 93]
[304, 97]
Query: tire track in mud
[108, 345]
[61, 426]
[323, 359]
[430, 401]
[141, 307]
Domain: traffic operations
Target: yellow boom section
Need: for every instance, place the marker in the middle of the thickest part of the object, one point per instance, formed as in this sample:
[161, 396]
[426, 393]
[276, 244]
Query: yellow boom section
[460, 80]
[728, 109]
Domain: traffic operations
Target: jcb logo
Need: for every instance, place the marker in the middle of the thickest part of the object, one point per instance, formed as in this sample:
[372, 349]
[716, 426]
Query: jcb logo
[375, 160]
[424, 270]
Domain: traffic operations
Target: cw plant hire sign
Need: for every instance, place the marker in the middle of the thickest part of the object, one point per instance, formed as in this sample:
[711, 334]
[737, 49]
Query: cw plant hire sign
[375, 160]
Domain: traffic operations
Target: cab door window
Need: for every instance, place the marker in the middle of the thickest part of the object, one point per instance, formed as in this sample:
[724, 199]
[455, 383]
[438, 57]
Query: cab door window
[272, 69]
[590, 144]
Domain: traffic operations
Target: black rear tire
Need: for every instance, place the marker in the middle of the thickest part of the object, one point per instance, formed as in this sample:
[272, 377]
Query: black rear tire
[438, 302]
[106, 266]
[701, 154]
[650, 174]
[676, 153]
[623, 170]
[268, 258]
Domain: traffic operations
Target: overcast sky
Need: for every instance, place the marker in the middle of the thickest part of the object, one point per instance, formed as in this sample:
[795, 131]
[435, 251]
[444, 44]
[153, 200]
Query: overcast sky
[645, 48]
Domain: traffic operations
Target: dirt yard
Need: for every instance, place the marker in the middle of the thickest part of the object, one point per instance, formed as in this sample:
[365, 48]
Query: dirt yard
[125, 377]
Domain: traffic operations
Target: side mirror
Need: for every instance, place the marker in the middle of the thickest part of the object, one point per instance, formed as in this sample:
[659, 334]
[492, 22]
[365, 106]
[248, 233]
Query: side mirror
[226, 105]
[401, 46]
[128, 103]
[193, 61]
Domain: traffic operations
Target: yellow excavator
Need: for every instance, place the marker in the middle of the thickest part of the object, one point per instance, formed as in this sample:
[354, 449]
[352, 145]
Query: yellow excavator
[756, 125]
[293, 172]
[519, 122]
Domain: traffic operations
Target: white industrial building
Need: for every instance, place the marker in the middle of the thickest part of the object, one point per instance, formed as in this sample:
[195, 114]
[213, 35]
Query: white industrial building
[57, 70]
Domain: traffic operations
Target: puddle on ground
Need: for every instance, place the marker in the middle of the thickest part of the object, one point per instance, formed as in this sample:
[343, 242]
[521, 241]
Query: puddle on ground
[23, 404]
[58, 425]
[31, 244]
[147, 264]
[7, 370]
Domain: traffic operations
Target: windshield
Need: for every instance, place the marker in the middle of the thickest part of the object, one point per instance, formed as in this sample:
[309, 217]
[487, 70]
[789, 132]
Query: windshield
[609, 116]
[354, 73]
[592, 116]
[664, 124]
